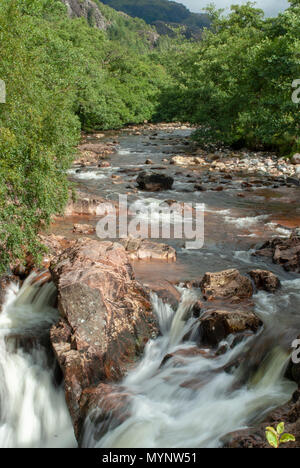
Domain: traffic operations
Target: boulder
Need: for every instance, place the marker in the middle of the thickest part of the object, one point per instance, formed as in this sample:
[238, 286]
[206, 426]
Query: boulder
[265, 280]
[144, 249]
[285, 252]
[106, 318]
[226, 284]
[295, 159]
[154, 182]
[217, 324]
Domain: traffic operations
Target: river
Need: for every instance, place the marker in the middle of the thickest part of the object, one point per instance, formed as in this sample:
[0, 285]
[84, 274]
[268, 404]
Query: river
[191, 401]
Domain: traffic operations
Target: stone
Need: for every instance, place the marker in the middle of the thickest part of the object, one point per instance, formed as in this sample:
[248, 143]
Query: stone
[265, 280]
[106, 318]
[285, 252]
[226, 284]
[154, 182]
[295, 159]
[217, 324]
[84, 229]
[144, 249]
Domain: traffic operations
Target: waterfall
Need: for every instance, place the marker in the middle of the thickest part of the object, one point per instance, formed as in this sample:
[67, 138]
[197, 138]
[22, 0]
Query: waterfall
[33, 411]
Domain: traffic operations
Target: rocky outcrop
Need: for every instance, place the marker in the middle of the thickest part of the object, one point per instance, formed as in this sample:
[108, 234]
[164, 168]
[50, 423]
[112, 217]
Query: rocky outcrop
[87, 9]
[55, 246]
[285, 252]
[227, 284]
[106, 318]
[265, 280]
[154, 182]
[144, 249]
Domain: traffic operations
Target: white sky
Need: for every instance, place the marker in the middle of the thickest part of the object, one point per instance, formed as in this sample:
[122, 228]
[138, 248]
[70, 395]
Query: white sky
[271, 7]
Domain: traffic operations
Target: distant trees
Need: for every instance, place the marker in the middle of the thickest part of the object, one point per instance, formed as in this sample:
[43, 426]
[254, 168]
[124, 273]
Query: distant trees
[237, 83]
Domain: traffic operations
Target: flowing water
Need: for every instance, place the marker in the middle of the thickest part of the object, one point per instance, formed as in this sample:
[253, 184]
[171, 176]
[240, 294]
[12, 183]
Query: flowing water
[33, 412]
[188, 399]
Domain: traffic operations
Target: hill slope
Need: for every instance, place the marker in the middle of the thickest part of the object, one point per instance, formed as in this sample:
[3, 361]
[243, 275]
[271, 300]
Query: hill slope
[162, 11]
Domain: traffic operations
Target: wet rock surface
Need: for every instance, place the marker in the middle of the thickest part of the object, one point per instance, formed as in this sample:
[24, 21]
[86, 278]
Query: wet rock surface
[216, 324]
[145, 249]
[226, 284]
[106, 318]
[265, 280]
[285, 252]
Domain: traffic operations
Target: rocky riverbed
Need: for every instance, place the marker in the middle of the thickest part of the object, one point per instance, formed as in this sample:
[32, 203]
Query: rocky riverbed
[226, 312]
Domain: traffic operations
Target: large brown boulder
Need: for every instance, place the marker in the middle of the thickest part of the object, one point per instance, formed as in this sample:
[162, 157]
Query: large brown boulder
[265, 280]
[106, 318]
[285, 252]
[226, 284]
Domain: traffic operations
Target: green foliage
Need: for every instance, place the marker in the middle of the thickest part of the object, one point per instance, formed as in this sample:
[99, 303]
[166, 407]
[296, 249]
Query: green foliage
[61, 75]
[237, 83]
[275, 437]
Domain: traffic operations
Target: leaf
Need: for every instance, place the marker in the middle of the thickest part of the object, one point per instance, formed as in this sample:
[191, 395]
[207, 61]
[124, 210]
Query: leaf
[272, 439]
[271, 429]
[280, 428]
[287, 438]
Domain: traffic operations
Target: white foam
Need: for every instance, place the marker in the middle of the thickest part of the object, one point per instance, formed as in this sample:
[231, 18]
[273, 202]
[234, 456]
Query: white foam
[33, 411]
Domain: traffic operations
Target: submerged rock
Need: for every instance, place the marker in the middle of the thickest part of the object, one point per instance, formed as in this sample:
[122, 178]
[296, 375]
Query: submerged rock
[84, 229]
[226, 284]
[106, 318]
[154, 182]
[265, 280]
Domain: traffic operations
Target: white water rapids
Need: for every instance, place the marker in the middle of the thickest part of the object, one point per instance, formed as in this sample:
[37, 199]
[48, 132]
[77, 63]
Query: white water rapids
[33, 411]
[186, 402]
[192, 401]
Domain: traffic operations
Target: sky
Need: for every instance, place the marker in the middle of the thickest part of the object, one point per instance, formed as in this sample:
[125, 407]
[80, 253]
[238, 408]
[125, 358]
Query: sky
[271, 7]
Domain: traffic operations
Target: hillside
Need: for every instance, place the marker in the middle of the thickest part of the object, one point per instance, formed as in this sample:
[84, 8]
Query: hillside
[119, 26]
[163, 12]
